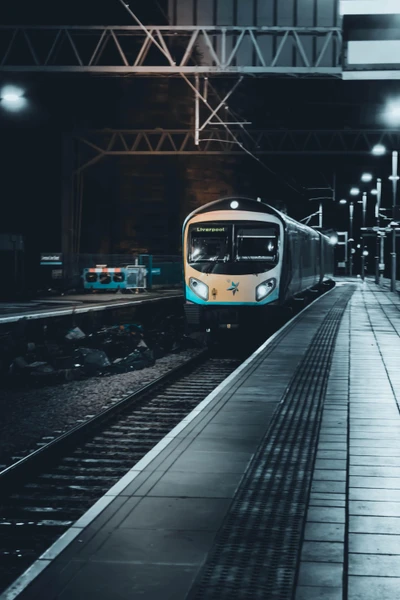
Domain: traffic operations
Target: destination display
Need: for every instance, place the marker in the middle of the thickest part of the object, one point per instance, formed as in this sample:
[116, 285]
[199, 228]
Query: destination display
[210, 229]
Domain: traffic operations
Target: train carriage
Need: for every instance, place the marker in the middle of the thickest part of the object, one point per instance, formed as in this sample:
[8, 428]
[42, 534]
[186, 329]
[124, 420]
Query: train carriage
[243, 259]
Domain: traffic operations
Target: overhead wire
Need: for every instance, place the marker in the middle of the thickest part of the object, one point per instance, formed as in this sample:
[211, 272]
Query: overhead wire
[254, 141]
[197, 93]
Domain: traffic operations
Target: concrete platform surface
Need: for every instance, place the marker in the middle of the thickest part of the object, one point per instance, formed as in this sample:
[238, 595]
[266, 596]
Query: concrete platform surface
[41, 308]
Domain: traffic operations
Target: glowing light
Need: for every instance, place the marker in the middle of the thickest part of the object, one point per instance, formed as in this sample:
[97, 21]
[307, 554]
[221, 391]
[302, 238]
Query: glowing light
[394, 177]
[366, 177]
[333, 240]
[12, 98]
[354, 191]
[374, 192]
[378, 150]
[392, 112]
[365, 252]
[234, 204]
[343, 201]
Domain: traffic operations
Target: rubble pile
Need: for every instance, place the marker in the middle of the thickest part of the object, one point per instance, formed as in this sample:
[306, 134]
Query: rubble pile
[72, 354]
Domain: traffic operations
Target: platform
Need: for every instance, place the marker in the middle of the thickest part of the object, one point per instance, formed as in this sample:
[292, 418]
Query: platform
[287, 477]
[42, 308]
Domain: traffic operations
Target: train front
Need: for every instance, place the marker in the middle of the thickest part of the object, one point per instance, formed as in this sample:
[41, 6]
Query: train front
[232, 263]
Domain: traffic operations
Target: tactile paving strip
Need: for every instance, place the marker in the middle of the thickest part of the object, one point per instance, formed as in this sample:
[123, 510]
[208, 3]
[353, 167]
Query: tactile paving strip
[256, 552]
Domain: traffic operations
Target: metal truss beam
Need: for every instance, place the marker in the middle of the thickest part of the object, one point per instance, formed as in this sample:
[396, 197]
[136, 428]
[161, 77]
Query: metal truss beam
[125, 142]
[296, 51]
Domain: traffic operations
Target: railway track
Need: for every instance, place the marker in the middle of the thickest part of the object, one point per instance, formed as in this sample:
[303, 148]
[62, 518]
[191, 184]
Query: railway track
[43, 494]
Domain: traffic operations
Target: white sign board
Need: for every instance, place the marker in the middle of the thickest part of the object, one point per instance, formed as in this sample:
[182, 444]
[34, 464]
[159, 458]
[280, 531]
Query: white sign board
[369, 7]
[371, 44]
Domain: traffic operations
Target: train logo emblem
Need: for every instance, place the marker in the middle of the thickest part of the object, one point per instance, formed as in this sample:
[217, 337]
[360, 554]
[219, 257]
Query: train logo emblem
[234, 287]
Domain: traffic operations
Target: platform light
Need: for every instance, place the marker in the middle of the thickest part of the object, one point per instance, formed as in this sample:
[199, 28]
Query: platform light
[343, 201]
[354, 191]
[333, 240]
[378, 150]
[365, 253]
[358, 245]
[392, 112]
[366, 177]
[234, 204]
[12, 98]
[394, 177]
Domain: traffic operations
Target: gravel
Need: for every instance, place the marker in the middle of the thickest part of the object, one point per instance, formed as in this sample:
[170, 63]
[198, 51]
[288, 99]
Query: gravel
[31, 418]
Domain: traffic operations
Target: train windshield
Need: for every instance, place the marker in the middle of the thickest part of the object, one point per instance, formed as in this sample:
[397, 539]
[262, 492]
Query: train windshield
[237, 248]
[210, 243]
[257, 243]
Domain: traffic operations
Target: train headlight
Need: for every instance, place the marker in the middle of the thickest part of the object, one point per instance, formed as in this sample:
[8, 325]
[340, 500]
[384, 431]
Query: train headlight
[265, 288]
[199, 288]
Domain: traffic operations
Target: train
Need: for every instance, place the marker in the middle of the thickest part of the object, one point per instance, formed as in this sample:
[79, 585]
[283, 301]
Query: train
[244, 262]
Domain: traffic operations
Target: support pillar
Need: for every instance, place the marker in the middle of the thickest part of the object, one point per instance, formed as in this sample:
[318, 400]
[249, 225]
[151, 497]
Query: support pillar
[67, 209]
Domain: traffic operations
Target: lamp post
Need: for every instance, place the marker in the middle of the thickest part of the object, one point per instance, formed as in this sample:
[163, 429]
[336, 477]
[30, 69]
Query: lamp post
[379, 243]
[394, 177]
[353, 192]
[364, 212]
[351, 240]
[380, 150]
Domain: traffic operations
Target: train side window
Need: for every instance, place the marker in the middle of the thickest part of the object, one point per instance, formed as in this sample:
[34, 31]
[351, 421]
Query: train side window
[91, 277]
[105, 278]
[119, 277]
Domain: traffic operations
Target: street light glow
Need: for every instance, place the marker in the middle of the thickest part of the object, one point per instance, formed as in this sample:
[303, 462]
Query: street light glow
[374, 192]
[392, 112]
[378, 150]
[366, 177]
[333, 240]
[354, 191]
[12, 98]
[343, 201]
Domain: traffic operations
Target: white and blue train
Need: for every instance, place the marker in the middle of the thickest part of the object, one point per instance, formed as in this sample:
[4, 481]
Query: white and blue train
[243, 259]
